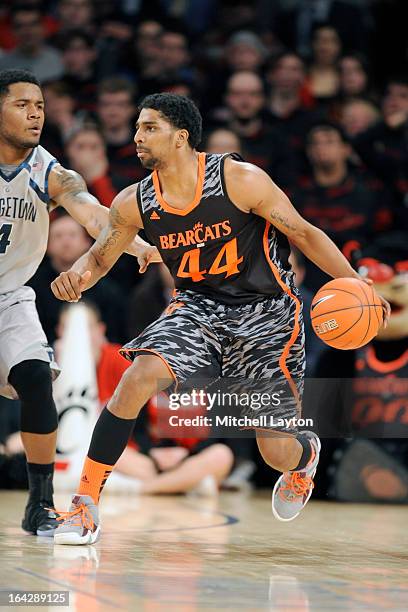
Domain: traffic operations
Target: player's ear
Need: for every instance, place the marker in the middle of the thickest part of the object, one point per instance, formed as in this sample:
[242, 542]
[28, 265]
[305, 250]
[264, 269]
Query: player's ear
[182, 138]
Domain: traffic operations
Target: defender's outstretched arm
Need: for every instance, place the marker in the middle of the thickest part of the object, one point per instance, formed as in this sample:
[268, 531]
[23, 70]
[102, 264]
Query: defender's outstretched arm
[124, 223]
[68, 189]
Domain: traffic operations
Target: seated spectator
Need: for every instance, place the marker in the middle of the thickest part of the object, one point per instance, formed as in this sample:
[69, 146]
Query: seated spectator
[116, 112]
[245, 51]
[290, 104]
[79, 56]
[244, 114]
[223, 141]
[8, 40]
[75, 15]
[177, 464]
[383, 147]
[354, 76]
[175, 57]
[142, 56]
[62, 119]
[357, 115]
[67, 242]
[323, 75]
[345, 202]
[31, 51]
[85, 151]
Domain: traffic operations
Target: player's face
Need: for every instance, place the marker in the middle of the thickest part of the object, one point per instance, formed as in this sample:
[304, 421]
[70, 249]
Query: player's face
[155, 139]
[22, 116]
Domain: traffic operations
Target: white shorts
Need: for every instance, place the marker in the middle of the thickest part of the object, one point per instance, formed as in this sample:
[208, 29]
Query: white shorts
[21, 336]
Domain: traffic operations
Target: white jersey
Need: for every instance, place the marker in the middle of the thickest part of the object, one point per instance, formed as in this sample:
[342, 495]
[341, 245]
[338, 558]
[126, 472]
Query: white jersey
[24, 219]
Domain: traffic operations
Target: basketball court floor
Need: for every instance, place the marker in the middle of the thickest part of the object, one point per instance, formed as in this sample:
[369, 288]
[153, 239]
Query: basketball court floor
[184, 554]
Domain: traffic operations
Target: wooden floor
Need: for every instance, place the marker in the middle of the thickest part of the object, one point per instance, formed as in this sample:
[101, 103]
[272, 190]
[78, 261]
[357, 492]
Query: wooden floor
[186, 554]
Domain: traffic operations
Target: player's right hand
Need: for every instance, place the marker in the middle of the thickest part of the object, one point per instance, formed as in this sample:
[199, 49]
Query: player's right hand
[68, 286]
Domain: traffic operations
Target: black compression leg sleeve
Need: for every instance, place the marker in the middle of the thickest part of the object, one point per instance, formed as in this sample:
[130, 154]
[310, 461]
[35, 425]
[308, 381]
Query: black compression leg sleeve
[109, 438]
[33, 382]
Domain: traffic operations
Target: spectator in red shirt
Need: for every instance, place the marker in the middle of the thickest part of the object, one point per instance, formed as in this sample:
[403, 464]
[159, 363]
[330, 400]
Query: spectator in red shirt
[85, 150]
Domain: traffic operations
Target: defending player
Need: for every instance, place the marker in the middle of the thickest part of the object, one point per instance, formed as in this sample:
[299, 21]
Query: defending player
[31, 184]
[221, 226]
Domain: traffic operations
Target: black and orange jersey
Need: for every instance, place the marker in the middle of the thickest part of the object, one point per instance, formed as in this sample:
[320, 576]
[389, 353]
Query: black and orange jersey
[211, 246]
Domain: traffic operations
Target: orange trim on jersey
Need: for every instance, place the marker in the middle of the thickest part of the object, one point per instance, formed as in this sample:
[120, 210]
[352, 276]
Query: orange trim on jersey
[146, 350]
[197, 196]
[385, 367]
[296, 329]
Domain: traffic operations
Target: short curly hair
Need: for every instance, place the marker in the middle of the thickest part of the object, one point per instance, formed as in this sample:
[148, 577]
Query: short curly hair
[180, 111]
[11, 76]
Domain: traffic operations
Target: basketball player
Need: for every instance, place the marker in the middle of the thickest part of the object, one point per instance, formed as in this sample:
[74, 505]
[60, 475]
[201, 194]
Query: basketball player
[222, 227]
[31, 184]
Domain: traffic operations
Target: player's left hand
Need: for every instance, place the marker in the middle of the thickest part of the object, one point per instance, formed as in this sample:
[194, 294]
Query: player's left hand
[385, 304]
[149, 255]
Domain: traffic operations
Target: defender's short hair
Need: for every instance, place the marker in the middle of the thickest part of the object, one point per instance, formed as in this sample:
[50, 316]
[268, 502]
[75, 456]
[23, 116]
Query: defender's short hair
[11, 76]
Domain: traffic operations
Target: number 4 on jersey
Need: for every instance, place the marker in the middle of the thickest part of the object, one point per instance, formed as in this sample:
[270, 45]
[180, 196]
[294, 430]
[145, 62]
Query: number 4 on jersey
[190, 263]
[5, 231]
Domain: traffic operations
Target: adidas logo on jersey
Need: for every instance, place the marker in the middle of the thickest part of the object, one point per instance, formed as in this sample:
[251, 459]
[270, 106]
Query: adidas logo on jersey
[154, 215]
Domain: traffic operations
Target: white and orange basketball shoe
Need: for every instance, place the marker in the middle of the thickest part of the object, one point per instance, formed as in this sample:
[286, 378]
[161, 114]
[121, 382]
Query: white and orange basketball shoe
[81, 524]
[293, 489]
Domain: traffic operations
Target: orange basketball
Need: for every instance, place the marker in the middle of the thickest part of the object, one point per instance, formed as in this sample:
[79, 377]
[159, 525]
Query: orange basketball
[346, 313]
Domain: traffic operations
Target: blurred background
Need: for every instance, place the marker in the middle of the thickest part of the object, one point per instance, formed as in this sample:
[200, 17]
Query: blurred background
[315, 92]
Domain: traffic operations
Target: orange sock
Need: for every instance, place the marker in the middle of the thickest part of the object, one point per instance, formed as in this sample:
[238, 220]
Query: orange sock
[93, 478]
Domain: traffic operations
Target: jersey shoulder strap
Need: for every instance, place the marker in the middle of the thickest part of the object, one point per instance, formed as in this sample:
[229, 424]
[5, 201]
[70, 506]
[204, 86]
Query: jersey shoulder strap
[40, 165]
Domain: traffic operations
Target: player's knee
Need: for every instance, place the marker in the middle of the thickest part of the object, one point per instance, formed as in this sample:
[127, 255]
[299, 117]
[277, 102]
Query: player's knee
[277, 451]
[33, 382]
[32, 379]
[145, 377]
[149, 371]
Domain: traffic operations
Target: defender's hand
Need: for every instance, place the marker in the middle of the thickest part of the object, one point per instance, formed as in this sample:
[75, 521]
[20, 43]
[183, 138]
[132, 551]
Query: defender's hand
[148, 256]
[68, 286]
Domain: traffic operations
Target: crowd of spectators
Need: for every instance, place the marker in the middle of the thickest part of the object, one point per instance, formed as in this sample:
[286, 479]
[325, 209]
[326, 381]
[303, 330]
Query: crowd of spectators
[305, 89]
